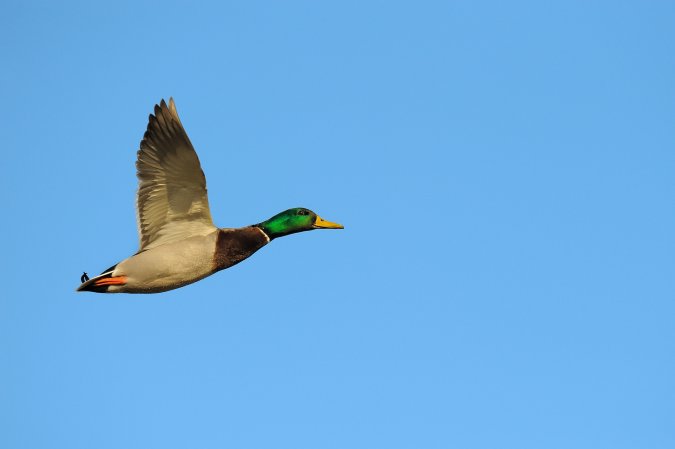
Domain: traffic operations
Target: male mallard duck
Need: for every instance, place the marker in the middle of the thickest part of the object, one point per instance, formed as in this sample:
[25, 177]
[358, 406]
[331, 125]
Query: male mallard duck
[179, 244]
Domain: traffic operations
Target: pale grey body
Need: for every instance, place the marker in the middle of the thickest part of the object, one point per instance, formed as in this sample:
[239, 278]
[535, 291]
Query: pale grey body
[181, 263]
[167, 267]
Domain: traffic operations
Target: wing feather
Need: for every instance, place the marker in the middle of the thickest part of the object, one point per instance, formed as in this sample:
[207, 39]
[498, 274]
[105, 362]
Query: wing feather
[172, 203]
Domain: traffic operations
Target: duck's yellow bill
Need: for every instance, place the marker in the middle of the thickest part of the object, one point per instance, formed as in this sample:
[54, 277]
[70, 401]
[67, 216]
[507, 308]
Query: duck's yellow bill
[324, 224]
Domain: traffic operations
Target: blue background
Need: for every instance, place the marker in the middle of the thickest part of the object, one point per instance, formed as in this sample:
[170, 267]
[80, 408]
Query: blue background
[504, 171]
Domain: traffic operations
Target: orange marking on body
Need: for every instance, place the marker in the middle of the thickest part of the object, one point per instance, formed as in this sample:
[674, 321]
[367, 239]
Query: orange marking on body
[118, 280]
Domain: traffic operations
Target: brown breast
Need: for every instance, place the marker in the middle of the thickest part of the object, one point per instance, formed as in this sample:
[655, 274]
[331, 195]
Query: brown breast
[235, 245]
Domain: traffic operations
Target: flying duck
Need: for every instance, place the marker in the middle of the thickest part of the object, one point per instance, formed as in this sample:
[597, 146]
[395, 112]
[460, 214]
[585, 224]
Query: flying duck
[179, 243]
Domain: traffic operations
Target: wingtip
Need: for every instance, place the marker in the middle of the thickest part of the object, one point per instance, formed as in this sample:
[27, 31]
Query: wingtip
[172, 108]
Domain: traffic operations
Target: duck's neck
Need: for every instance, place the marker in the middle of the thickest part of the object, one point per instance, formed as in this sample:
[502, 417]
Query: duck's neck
[262, 231]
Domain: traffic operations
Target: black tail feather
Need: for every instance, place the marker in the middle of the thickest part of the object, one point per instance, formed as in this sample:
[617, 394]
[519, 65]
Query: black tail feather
[88, 286]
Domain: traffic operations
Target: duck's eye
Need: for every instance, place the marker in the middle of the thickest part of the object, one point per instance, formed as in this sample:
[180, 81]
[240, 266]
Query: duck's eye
[303, 212]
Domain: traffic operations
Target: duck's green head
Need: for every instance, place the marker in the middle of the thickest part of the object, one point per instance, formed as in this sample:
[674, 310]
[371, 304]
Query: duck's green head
[295, 220]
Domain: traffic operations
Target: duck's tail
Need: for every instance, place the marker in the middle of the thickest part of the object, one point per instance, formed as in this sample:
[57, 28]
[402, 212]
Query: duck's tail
[102, 282]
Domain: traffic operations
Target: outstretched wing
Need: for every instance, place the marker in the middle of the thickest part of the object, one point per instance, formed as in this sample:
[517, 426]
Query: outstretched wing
[171, 202]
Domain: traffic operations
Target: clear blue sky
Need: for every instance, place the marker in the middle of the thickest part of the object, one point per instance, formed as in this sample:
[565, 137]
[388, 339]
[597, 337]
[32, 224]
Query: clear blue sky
[505, 174]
